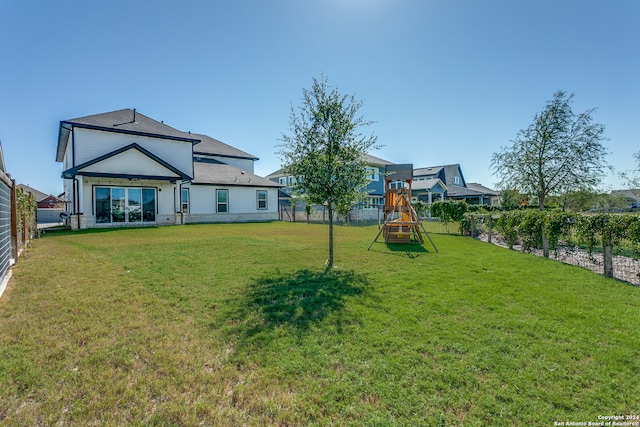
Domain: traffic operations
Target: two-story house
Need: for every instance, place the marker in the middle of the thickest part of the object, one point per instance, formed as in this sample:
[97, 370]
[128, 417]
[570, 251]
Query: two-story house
[123, 168]
[447, 182]
[374, 189]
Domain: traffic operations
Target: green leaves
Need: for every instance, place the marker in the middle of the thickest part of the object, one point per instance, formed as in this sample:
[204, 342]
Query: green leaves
[589, 230]
[324, 150]
[560, 151]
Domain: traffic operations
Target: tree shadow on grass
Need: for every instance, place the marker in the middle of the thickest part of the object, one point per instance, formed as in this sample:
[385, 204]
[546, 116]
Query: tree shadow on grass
[295, 300]
[304, 297]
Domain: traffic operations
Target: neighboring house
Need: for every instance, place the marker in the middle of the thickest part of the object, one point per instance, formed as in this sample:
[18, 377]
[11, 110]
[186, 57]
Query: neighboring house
[123, 168]
[428, 190]
[454, 185]
[632, 196]
[375, 187]
[44, 201]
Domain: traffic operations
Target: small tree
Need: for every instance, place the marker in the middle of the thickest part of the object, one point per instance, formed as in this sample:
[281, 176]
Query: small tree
[510, 199]
[449, 211]
[560, 151]
[325, 151]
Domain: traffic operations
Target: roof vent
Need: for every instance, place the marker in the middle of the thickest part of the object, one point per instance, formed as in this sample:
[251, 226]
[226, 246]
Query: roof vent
[242, 172]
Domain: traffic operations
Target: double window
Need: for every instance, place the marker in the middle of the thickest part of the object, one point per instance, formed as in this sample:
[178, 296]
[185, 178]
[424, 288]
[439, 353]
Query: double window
[125, 205]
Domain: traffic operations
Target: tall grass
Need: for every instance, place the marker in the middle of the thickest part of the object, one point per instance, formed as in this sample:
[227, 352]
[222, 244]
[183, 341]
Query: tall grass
[237, 325]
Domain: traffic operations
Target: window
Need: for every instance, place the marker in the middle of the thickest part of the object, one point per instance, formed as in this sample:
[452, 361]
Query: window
[222, 201]
[184, 201]
[124, 205]
[103, 205]
[134, 204]
[456, 180]
[117, 205]
[262, 199]
[282, 180]
[395, 185]
[149, 204]
[372, 173]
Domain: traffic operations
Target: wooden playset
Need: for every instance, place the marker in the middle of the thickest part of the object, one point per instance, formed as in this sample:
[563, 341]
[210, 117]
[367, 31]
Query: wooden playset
[401, 222]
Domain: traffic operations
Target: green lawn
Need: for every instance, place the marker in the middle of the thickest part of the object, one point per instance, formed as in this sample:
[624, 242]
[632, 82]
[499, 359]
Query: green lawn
[237, 325]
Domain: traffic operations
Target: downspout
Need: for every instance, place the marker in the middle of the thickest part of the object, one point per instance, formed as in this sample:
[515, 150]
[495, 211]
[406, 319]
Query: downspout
[179, 207]
[75, 196]
[73, 148]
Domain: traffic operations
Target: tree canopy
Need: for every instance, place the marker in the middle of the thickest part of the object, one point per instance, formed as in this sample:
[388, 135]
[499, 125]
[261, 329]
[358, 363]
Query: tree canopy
[325, 151]
[560, 151]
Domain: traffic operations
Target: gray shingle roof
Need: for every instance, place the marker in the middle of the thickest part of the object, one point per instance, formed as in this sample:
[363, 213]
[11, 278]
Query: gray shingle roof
[450, 171]
[372, 160]
[221, 174]
[427, 184]
[433, 170]
[481, 188]
[212, 146]
[38, 195]
[121, 121]
[127, 120]
[477, 190]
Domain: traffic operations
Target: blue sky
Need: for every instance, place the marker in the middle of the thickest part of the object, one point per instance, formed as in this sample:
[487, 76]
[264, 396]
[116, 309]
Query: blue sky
[445, 81]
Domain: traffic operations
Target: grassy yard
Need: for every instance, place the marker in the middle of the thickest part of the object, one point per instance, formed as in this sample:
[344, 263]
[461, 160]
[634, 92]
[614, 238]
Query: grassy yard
[237, 325]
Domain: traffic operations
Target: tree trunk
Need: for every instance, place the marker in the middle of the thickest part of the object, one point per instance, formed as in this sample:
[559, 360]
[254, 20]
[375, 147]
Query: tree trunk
[545, 241]
[330, 259]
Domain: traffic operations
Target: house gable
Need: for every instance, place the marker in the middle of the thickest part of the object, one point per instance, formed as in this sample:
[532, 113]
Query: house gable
[132, 161]
[124, 121]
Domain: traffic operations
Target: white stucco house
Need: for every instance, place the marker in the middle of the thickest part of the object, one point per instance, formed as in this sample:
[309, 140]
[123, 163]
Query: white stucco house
[125, 169]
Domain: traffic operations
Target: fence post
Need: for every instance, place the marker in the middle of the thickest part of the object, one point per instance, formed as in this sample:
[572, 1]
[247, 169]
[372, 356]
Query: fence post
[490, 226]
[14, 220]
[472, 224]
[607, 254]
[608, 260]
[545, 245]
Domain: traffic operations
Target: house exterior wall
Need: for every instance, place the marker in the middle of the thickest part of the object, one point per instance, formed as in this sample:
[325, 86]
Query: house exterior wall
[242, 204]
[128, 162]
[376, 184]
[165, 200]
[67, 163]
[90, 144]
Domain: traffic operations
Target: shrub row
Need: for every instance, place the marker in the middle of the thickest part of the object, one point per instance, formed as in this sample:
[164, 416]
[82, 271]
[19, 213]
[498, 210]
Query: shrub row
[528, 227]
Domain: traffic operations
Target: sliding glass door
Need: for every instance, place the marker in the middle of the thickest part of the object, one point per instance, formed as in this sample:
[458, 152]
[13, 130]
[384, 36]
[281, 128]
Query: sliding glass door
[125, 205]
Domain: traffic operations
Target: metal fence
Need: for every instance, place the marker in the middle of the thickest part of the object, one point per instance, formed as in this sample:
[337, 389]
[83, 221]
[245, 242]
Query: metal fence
[319, 214]
[48, 217]
[6, 253]
[624, 265]
[8, 228]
